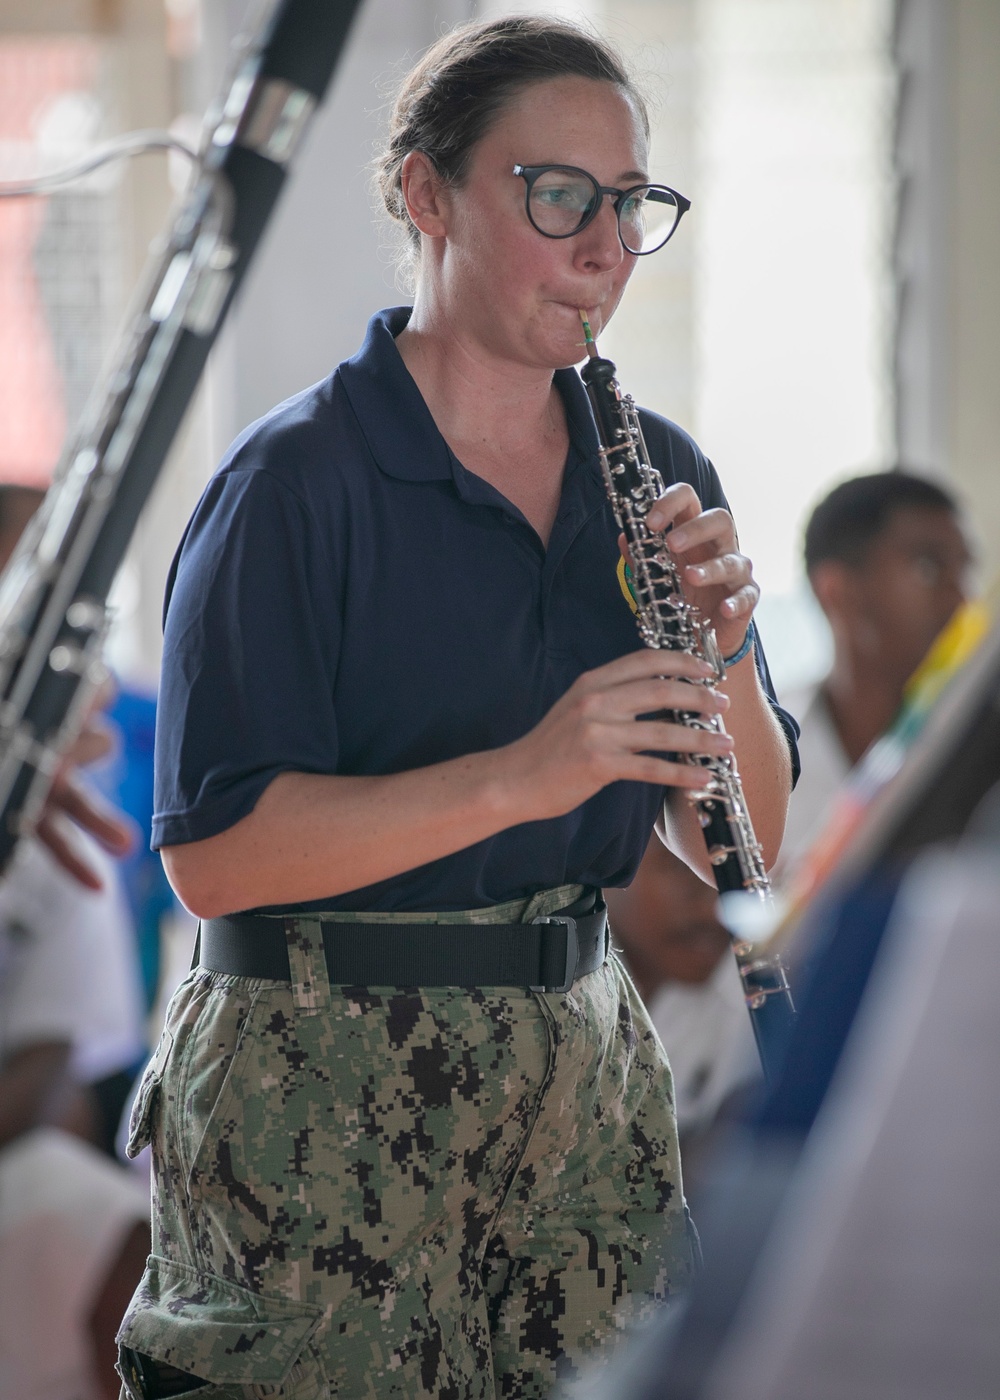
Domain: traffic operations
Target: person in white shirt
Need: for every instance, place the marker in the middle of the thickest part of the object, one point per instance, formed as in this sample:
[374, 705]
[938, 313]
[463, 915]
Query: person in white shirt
[74, 1225]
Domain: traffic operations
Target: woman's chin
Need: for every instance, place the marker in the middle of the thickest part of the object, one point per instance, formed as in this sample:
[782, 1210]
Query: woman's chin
[566, 350]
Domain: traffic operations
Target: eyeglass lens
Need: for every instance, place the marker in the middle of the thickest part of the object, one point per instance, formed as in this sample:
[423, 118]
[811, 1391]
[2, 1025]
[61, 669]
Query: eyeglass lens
[561, 201]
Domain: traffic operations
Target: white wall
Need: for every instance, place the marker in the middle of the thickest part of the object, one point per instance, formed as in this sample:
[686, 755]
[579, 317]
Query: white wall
[948, 252]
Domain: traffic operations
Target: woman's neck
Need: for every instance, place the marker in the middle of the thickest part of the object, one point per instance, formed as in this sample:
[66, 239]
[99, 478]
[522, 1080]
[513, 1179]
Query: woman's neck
[504, 422]
[472, 395]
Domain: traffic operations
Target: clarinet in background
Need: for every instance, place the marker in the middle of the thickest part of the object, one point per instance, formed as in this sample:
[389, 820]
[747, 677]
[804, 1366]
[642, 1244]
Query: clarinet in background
[666, 619]
[53, 593]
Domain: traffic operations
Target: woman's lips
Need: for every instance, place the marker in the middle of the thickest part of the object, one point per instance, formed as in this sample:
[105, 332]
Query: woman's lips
[574, 308]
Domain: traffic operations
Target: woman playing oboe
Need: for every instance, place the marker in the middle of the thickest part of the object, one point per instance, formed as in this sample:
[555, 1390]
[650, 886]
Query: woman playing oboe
[412, 1131]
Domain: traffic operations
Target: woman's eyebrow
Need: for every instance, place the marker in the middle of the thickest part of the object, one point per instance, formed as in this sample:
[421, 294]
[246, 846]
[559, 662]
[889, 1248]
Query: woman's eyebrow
[635, 177]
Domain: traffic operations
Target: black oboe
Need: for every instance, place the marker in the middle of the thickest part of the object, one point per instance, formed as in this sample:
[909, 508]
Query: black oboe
[666, 619]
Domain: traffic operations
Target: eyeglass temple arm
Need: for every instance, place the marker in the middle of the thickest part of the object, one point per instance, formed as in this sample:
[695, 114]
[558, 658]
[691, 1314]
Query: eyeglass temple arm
[668, 196]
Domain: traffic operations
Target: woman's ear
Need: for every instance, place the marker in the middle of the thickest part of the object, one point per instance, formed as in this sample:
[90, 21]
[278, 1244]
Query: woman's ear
[424, 193]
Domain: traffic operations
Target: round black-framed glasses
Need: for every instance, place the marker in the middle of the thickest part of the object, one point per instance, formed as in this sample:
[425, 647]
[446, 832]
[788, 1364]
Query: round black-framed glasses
[561, 200]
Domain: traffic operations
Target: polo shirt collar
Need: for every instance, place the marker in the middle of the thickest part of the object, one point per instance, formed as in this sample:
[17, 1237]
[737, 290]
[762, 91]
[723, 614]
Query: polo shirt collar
[402, 435]
[397, 424]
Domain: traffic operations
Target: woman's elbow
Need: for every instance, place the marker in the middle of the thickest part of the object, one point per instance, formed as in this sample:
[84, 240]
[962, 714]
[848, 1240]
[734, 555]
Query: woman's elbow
[770, 850]
[196, 880]
[771, 827]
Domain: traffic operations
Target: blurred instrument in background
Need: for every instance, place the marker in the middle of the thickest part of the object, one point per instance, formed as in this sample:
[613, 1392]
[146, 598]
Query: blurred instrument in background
[53, 593]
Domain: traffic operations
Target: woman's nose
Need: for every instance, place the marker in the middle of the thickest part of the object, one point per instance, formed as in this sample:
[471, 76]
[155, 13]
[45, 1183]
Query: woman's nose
[599, 244]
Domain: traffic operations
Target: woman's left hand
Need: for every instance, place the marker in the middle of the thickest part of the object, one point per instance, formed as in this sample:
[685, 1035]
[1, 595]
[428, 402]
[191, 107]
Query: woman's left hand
[717, 578]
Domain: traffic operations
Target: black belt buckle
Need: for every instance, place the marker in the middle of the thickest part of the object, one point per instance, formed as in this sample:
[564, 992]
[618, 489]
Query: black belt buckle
[559, 958]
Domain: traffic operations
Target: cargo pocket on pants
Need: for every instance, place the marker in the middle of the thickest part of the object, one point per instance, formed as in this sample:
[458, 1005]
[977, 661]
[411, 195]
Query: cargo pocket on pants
[141, 1118]
[218, 1332]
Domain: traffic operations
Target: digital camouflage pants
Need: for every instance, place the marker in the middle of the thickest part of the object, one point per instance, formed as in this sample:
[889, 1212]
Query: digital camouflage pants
[364, 1192]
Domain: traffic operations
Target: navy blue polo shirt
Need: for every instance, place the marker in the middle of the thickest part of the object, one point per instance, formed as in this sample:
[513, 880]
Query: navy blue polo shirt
[348, 599]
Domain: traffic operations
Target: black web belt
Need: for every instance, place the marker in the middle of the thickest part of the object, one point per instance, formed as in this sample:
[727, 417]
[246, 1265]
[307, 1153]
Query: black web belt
[546, 955]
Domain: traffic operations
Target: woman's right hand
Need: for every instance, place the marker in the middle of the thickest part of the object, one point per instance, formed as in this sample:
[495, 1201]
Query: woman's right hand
[593, 736]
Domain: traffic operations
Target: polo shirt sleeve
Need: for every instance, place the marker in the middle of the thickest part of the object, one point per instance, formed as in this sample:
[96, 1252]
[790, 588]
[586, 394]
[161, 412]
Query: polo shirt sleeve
[251, 637]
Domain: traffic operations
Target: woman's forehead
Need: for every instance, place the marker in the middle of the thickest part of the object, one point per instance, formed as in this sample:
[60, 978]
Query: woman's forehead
[569, 119]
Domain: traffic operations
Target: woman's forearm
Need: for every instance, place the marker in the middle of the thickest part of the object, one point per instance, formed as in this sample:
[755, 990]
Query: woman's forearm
[311, 836]
[762, 755]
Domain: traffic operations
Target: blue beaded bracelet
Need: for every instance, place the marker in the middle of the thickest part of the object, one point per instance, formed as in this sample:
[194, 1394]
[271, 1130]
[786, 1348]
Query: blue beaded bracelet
[728, 661]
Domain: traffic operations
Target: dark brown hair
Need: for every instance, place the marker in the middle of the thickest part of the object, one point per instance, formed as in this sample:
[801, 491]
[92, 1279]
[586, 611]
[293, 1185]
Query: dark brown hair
[458, 89]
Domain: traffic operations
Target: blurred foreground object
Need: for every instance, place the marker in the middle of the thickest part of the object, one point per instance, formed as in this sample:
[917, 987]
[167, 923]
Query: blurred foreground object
[67, 803]
[74, 1233]
[881, 1132]
[74, 1225]
[882, 1274]
[882, 762]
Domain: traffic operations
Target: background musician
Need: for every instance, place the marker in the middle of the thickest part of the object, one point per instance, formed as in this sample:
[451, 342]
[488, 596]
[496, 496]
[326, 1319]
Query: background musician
[888, 559]
[74, 1225]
